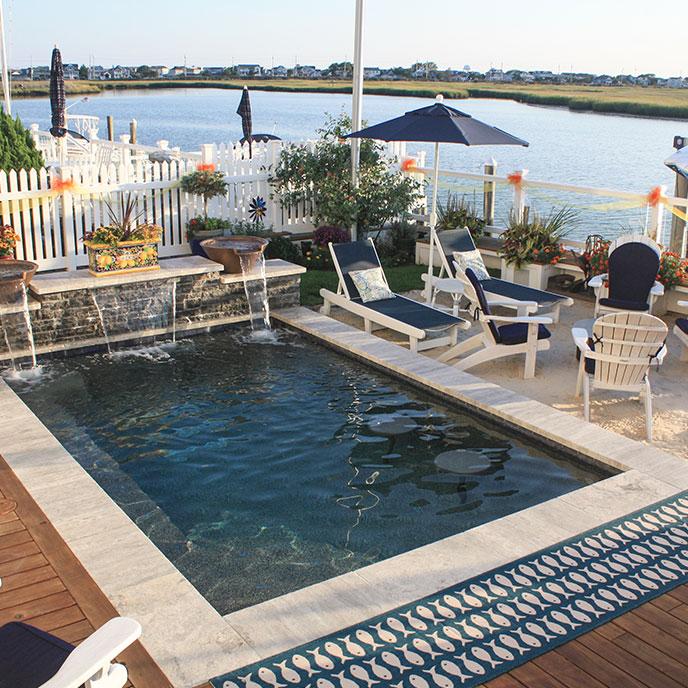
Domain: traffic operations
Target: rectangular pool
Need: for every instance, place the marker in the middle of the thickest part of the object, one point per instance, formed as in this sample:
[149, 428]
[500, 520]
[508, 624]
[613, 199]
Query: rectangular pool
[261, 467]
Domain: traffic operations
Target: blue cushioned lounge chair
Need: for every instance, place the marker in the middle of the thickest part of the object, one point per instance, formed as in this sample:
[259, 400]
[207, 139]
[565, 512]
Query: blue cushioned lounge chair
[516, 335]
[630, 283]
[31, 658]
[411, 318]
[523, 299]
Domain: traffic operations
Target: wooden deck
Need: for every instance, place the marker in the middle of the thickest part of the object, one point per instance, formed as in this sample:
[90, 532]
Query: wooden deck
[44, 584]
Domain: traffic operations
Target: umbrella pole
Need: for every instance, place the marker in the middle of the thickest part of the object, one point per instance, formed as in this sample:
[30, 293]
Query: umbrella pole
[433, 222]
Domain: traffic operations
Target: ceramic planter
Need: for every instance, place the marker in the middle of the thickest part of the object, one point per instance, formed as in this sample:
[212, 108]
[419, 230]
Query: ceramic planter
[126, 256]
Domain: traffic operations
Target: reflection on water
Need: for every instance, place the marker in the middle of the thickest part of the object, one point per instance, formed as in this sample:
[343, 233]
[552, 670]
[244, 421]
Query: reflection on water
[263, 467]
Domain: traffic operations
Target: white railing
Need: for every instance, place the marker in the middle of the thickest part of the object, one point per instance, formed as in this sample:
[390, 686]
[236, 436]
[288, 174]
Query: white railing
[656, 214]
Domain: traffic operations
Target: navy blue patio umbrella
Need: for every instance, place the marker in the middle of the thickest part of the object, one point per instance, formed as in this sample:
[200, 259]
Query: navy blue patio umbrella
[438, 123]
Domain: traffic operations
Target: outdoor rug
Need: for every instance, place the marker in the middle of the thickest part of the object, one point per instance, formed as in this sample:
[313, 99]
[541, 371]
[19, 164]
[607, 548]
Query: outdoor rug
[483, 627]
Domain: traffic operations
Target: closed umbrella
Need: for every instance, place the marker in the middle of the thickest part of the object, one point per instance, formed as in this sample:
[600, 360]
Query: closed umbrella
[57, 96]
[244, 111]
[438, 123]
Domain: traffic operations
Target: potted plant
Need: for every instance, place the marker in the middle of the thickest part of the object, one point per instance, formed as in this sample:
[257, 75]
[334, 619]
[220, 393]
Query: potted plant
[123, 245]
[8, 242]
[536, 239]
[458, 212]
[207, 183]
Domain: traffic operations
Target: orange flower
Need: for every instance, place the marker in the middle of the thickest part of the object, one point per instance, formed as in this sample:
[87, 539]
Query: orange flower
[205, 167]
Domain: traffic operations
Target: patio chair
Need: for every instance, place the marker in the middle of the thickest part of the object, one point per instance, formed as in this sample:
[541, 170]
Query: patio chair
[524, 300]
[681, 331]
[411, 318]
[524, 334]
[617, 355]
[629, 284]
[31, 658]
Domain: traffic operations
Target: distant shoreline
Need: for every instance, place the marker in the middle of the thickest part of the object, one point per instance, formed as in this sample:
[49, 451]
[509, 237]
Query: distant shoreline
[618, 100]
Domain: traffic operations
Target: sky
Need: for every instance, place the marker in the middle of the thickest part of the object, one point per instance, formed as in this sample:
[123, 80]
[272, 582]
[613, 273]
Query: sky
[599, 36]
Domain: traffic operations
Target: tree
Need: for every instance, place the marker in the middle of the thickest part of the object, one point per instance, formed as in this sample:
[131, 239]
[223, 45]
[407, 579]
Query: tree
[342, 69]
[17, 148]
[145, 72]
[323, 175]
[83, 72]
[426, 67]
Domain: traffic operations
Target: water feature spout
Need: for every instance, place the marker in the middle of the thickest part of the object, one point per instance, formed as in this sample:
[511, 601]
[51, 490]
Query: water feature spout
[29, 326]
[256, 291]
[99, 311]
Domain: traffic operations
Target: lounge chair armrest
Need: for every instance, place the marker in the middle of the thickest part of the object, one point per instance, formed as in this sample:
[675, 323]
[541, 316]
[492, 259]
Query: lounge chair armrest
[597, 281]
[580, 338]
[657, 289]
[95, 654]
[531, 305]
[537, 319]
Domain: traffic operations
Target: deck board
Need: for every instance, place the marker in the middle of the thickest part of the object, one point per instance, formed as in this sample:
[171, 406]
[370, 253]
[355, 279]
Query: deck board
[44, 584]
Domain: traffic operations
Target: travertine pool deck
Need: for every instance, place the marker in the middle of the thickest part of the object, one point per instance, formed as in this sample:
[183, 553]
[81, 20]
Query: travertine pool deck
[191, 642]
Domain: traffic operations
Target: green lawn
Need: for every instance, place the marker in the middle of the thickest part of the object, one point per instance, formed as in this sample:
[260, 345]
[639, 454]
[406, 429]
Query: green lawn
[400, 279]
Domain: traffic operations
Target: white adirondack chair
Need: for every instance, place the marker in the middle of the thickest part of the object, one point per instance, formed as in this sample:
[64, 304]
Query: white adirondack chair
[90, 664]
[630, 284]
[618, 356]
[681, 331]
[501, 335]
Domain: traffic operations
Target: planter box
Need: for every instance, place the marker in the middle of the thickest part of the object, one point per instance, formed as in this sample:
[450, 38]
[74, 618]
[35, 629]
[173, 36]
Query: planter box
[127, 256]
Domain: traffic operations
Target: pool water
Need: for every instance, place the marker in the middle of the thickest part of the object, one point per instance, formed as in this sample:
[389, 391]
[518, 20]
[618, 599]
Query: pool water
[261, 467]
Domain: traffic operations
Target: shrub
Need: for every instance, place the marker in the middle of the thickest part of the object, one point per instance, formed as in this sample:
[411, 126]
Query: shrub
[17, 148]
[8, 240]
[398, 245]
[536, 239]
[284, 248]
[458, 212]
[328, 234]
[321, 176]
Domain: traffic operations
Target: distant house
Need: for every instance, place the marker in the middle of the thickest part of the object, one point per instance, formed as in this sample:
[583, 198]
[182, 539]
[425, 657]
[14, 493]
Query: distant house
[307, 72]
[178, 71]
[494, 75]
[371, 72]
[40, 73]
[248, 70]
[214, 71]
[603, 80]
[279, 72]
[542, 75]
[116, 73]
[71, 71]
[676, 82]
[457, 75]
[160, 70]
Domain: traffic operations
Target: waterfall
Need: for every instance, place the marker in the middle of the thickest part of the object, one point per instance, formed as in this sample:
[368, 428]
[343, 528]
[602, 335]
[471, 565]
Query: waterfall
[8, 345]
[29, 326]
[102, 321]
[256, 291]
[174, 311]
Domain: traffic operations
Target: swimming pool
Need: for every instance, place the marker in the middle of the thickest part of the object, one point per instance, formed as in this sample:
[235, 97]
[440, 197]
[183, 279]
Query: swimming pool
[260, 468]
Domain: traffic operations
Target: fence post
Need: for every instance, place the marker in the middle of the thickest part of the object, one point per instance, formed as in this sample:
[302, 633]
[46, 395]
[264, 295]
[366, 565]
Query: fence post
[519, 205]
[654, 219]
[132, 130]
[208, 154]
[489, 189]
[111, 128]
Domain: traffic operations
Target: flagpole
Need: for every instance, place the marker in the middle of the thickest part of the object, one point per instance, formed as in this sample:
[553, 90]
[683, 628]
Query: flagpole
[357, 97]
[3, 64]
[433, 221]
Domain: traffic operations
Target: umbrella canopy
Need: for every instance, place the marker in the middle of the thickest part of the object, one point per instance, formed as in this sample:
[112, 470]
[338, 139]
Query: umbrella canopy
[439, 123]
[244, 111]
[261, 138]
[678, 162]
[57, 96]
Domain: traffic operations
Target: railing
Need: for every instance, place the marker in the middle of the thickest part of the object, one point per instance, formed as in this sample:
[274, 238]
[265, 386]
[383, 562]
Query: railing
[656, 213]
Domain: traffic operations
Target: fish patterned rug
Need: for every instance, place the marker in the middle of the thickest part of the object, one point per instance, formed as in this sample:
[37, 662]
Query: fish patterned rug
[483, 627]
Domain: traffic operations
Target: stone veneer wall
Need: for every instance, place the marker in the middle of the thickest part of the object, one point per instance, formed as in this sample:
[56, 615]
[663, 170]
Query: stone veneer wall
[67, 319]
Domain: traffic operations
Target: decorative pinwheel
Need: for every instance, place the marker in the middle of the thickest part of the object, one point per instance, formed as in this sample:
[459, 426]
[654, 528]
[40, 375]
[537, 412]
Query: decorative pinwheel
[257, 208]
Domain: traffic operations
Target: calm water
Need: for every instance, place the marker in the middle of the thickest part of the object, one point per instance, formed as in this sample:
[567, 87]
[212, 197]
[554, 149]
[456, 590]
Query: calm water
[576, 148]
[262, 468]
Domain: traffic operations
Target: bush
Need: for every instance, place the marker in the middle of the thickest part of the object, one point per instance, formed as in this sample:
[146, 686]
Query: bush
[284, 248]
[17, 148]
[398, 245]
[673, 270]
[328, 234]
[458, 212]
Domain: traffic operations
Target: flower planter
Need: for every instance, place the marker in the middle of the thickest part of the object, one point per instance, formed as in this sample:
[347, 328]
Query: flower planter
[126, 256]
